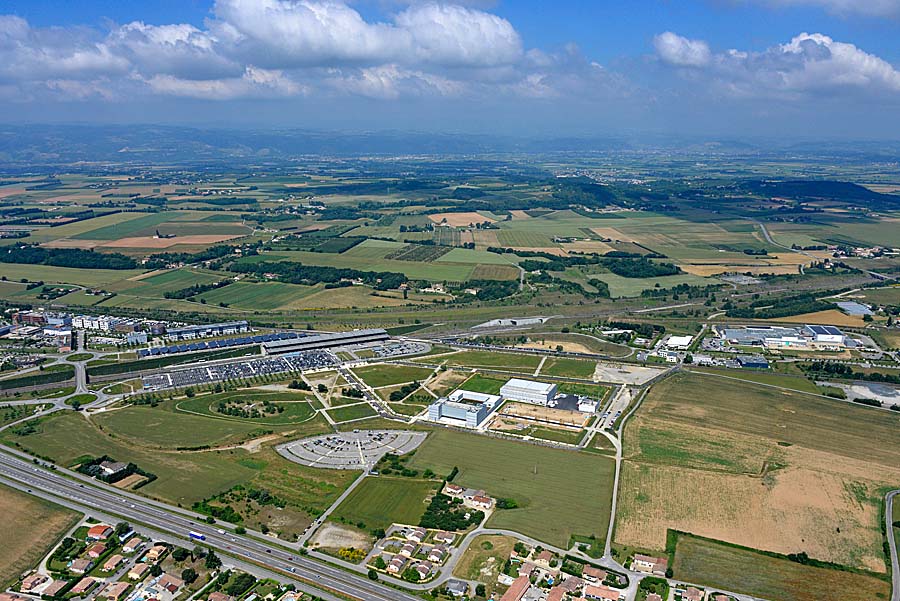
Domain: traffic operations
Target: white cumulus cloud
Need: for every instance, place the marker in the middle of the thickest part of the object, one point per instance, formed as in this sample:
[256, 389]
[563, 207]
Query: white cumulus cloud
[681, 51]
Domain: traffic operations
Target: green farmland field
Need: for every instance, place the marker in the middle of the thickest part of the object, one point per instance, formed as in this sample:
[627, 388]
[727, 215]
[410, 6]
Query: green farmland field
[346, 413]
[573, 368]
[517, 362]
[186, 477]
[265, 295]
[126, 228]
[542, 480]
[380, 502]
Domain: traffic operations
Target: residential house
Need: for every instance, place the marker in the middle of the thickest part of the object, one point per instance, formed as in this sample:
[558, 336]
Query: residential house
[111, 468]
[444, 537]
[133, 545]
[454, 490]
[602, 593]
[217, 596]
[557, 593]
[543, 558]
[395, 566]
[721, 597]
[138, 570]
[593, 575]
[115, 591]
[424, 569]
[517, 589]
[408, 550]
[437, 554]
[96, 550]
[12, 597]
[156, 552]
[571, 584]
[654, 597]
[55, 587]
[80, 566]
[417, 535]
[692, 594]
[171, 583]
[458, 588]
[32, 581]
[112, 563]
[83, 586]
[650, 565]
[99, 532]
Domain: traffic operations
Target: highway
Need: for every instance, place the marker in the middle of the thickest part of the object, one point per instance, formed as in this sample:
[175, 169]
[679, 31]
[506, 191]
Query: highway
[27, 476]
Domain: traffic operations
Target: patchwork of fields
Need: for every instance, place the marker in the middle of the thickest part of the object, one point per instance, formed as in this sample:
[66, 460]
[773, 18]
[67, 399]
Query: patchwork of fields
[775, 466]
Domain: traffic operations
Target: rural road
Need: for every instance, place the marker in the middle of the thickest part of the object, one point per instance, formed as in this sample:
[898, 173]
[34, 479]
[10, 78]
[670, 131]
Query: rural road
[892, 544]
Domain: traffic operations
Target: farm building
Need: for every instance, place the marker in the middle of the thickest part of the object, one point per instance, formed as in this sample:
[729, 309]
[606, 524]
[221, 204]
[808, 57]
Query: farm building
[528, 391]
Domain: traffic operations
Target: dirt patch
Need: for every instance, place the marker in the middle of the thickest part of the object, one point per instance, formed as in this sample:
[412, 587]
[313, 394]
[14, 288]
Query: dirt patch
[831, 317]
[550, 344]
[587, 246]
[541, 414]
[519, 214]
[460, 219]
[446, 382]
[130, 481]
[336, 536]
[151, 242]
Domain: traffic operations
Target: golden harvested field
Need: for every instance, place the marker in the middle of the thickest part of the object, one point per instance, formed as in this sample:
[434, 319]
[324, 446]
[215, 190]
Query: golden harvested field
[754, 466]
[460, 219]
[831, 317]
[38, 526]
[612, 233]
[587, 246]
[485, 238]
[706, 270]
[519, 214]
[551, 344]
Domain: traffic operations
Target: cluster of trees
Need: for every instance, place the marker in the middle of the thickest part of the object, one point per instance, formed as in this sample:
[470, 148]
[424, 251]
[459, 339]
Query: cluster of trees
[297, 273]
[66, 257]
[404, 391]
[679, 290]
[249, 412]
[353, 393]
[839, 370]
[299, 385]
[639, 268]
[392, 463]
[160, 260]
[446, 513]
[92, 468]
[196, 289]
[768, 308]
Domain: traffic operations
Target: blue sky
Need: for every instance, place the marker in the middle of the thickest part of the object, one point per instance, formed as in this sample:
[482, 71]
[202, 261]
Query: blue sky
[810, 68]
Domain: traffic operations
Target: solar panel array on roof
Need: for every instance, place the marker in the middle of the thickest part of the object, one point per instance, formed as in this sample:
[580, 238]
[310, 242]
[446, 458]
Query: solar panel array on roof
[216, 344]
[825, 330]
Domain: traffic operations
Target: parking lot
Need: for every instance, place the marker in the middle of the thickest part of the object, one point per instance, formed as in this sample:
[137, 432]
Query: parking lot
[355, 450]
[206, 374]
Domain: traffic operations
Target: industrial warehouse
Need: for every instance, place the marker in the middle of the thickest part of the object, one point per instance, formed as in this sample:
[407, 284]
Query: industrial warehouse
[324, 341]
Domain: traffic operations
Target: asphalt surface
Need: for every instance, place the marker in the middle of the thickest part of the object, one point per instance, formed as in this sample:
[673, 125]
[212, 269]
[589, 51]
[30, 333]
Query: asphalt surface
[27, 476]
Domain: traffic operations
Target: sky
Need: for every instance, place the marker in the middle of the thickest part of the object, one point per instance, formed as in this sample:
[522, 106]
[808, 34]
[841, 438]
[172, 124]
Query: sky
[812, 69]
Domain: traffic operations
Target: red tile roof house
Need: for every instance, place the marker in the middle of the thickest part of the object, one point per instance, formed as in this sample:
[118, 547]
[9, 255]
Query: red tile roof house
[517, 589]
[592, 574]
[602, 593]
[557, 593]
[12, 597]
[33, 580]
[653, 597]
[79, 566]
[133, 545]
[112, 563]
[571, 584]
[83, 586]
[99, 532]
[96, 550]
[453, 490]
[171, 583]
[692, 594]
[650, 565]
[138, 570]
[721, 597]
[54, 588]
[115, 591]
[217, 596]
[482, 502]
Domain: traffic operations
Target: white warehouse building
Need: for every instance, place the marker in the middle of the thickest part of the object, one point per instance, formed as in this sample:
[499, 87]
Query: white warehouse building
[528, 391]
